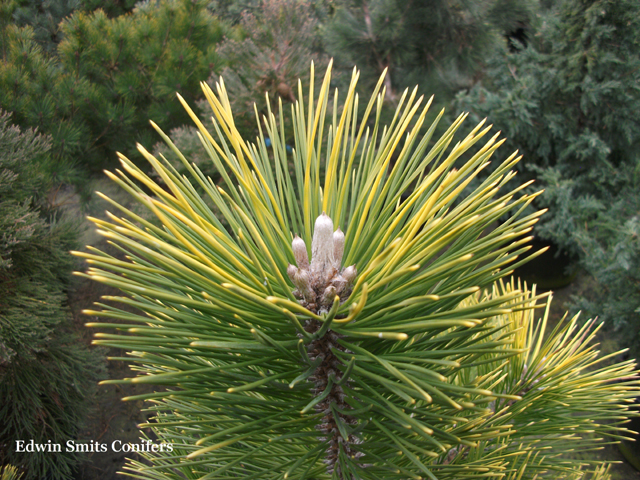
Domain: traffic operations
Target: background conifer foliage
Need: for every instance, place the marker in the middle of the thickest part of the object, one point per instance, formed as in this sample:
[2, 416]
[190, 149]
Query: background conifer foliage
[270, 59]
[326, 326]
[440, 45]
[570, 101]
[46, 375]
[96, 94]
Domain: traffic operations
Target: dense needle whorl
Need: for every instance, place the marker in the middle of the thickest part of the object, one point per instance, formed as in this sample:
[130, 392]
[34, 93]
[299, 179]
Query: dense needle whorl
[317, 284]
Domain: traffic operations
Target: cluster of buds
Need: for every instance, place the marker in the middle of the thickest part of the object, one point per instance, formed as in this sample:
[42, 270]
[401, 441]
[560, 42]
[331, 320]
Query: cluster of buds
[319, 281]
[317, 284]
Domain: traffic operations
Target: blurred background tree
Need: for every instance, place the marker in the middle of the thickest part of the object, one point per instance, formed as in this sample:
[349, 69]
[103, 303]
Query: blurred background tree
[269, 52]
[44, 17]
[46, 375]
[569, 102]
[439, 45]
[95, 95]
[274, 51]
[232, 11]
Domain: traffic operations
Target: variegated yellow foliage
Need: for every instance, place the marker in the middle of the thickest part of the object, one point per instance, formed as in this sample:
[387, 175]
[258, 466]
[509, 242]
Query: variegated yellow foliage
[389, 351]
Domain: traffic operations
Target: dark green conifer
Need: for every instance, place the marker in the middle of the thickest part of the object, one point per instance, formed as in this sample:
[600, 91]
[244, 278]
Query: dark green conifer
[439, 45]
[46, 374]
[44, 16]
[96, 95]
[571, 101]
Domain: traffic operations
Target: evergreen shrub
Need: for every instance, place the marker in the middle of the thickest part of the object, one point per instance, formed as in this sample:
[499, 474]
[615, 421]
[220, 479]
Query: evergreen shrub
[46, 373]
[332, 328]
[570, 101]
[94, 96]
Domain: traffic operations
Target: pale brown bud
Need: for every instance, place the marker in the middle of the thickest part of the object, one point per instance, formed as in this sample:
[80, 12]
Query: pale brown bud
[338, 247]
[350, 273]
[291, 271]
[302, 280]
[300, 252]
[340, 283]
[328, 296]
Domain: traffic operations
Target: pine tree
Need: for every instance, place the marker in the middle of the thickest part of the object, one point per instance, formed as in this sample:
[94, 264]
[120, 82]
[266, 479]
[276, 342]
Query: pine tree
[44, 17]
[113, 8]
[395, 348]
[233, 10]
[96, 94]
[273, 54]
[570, 101]
[439, 45]
[46, 374]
